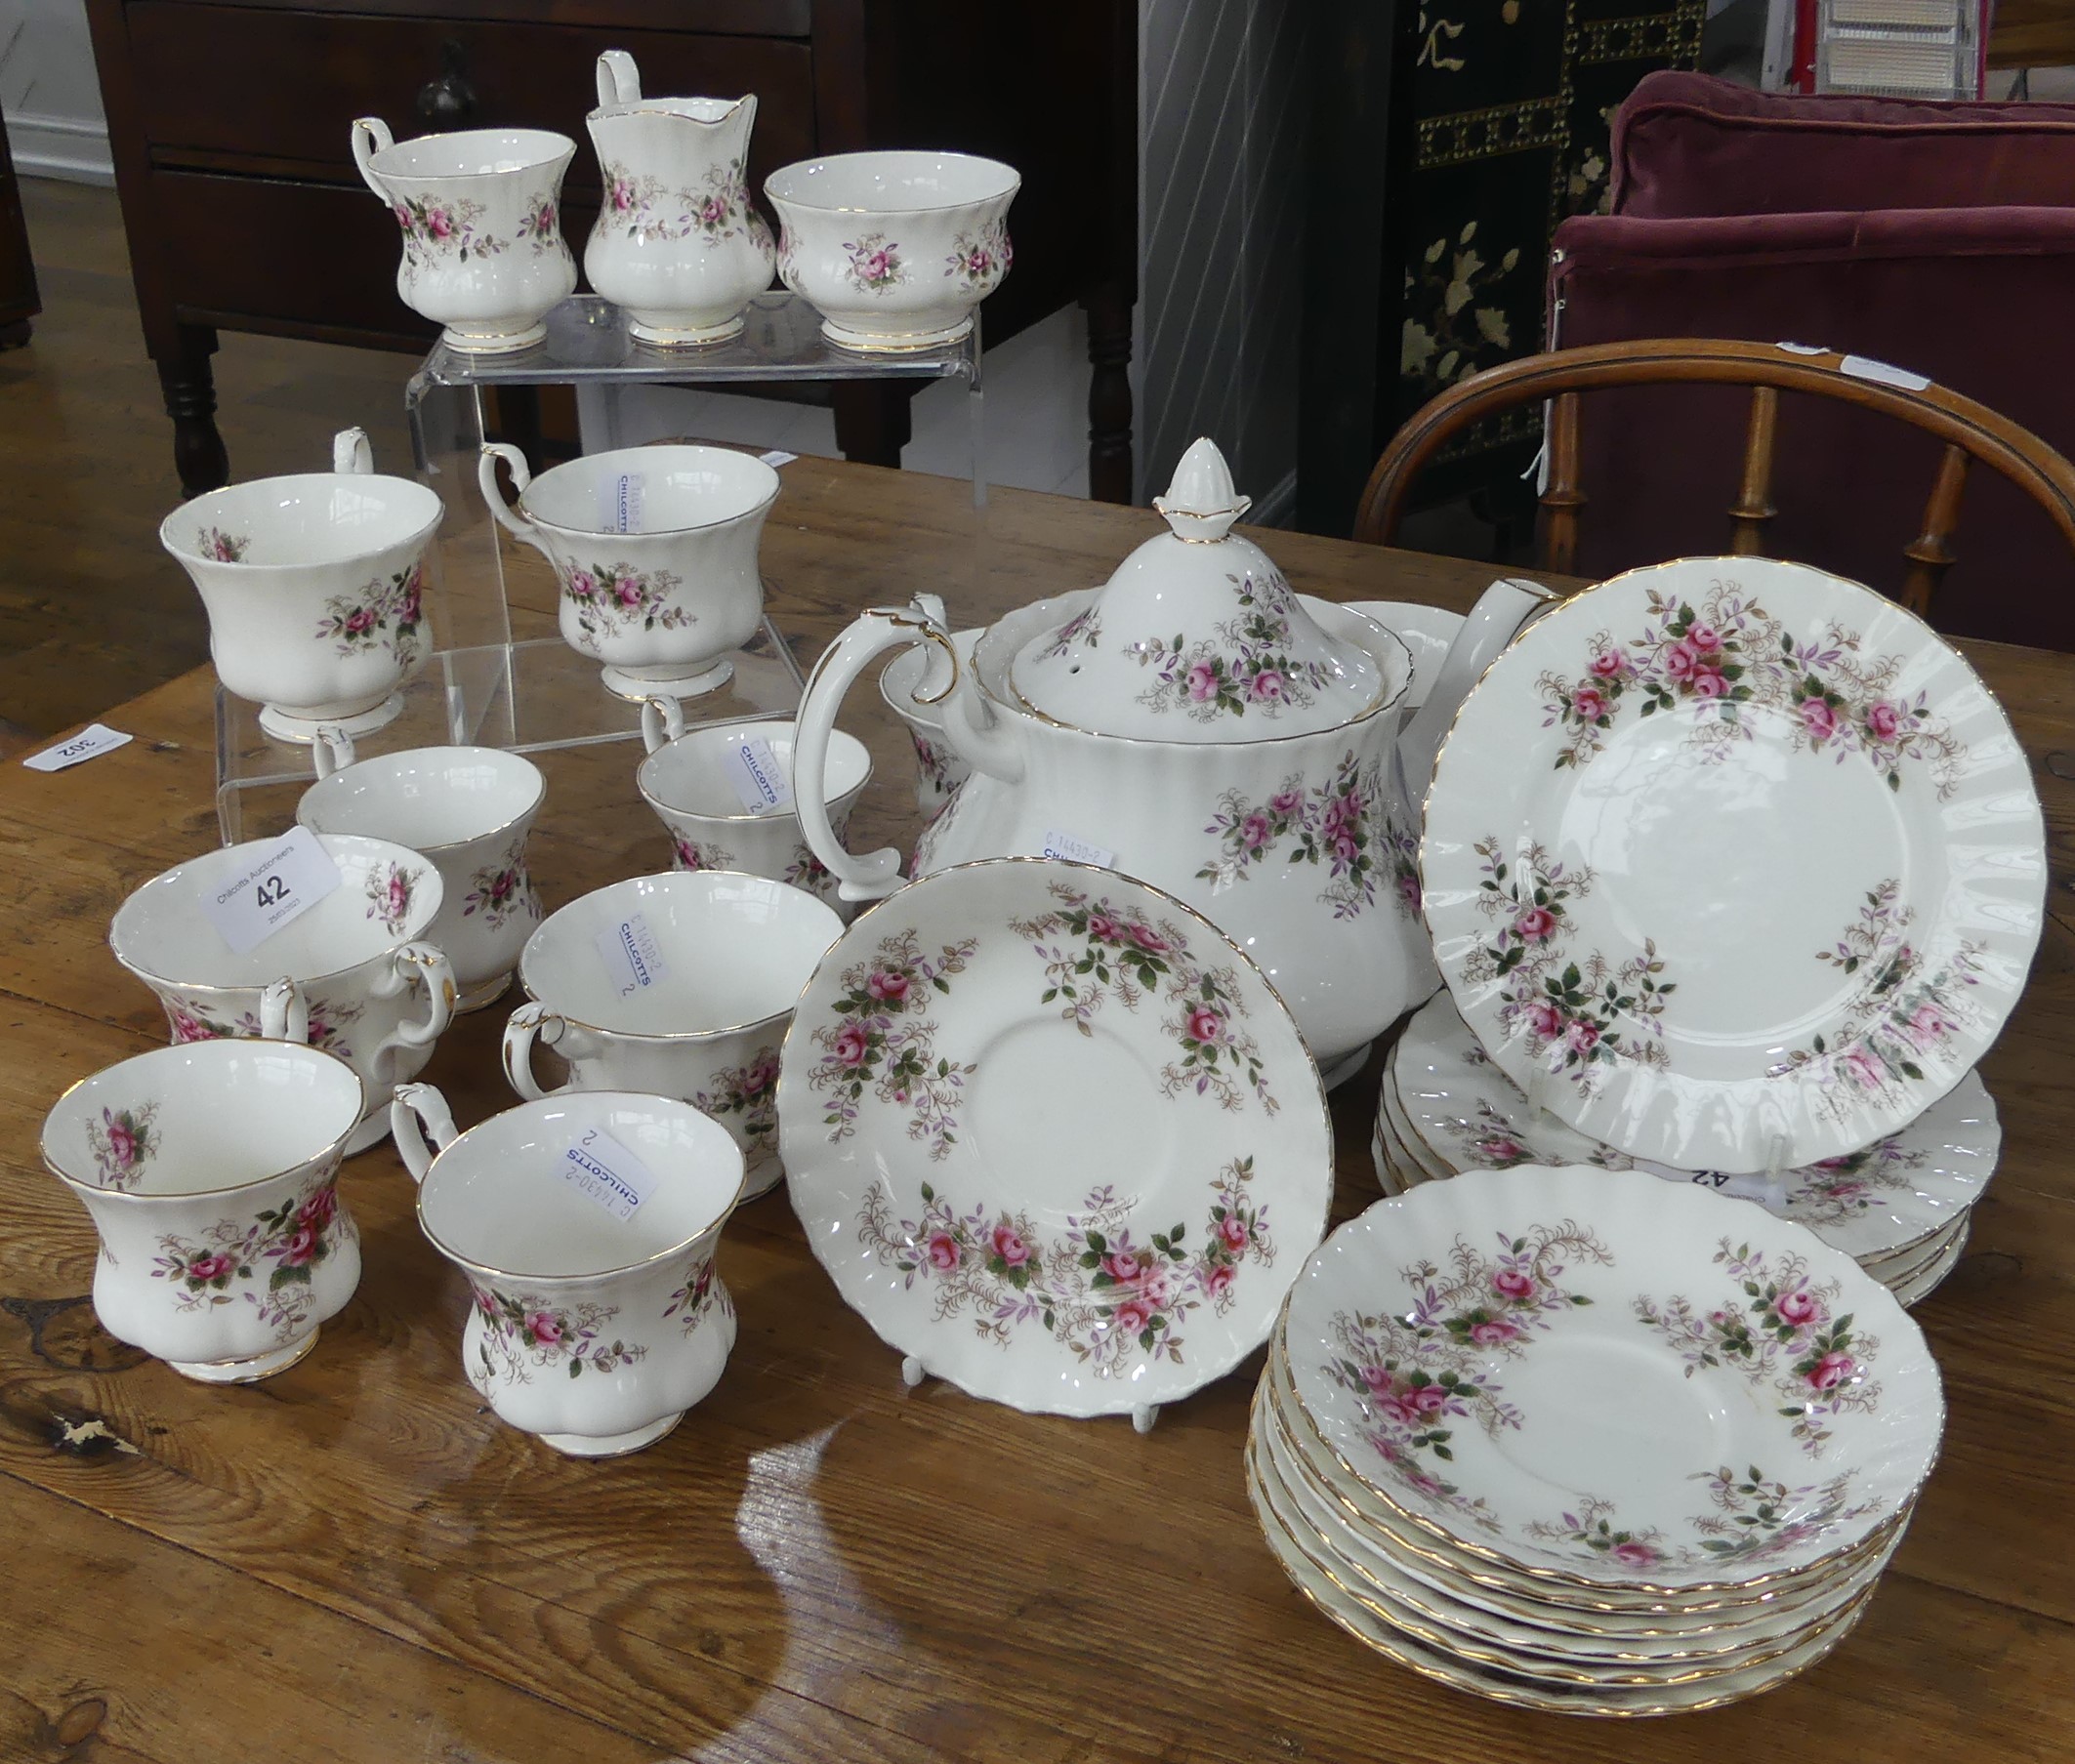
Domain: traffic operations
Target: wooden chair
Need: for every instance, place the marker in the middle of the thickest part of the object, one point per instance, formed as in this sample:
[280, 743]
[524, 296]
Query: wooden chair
[1970, 431]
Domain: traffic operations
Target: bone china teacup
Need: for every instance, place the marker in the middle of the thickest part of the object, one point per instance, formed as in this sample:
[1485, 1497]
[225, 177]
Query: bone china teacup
[655, 551]
[210, 1173]
[480, 213]
[695, 1007]
[467, 808]
[686, 779]
[371, 989]
[313, 584]
[586, 1225]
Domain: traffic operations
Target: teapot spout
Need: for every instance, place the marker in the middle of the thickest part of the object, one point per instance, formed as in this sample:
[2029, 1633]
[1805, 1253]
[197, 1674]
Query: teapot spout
[1501, 610]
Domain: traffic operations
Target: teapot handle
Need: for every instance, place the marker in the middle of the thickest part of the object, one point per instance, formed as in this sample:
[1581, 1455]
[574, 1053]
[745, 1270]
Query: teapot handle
[370, 136]
[877, 874]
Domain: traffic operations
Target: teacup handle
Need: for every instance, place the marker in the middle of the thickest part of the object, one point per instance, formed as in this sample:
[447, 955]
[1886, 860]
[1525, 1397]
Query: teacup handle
[331, 752]
[372, 130]
[662, 721]
[876, 874]
[415, 1103]
[619, 81]
[527, 1023]
[515, 525]
[425, 964]
[352, 455]
[284, 1013]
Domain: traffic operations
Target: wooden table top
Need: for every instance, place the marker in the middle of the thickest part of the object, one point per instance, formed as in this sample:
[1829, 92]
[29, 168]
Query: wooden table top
[356, 1562]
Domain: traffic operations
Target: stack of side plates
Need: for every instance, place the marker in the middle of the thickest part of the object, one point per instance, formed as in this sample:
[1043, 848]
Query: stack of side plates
[1586, 1440]
[1900, 1207]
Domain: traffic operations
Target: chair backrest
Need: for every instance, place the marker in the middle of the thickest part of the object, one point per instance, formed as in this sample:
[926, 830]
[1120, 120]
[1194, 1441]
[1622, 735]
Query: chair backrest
[1970, 431]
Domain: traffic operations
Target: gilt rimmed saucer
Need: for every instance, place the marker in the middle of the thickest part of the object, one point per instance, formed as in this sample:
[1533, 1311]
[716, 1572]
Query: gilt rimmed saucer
[1874, 1202]
[1733, 864]
[1521, 1363]
[1318, 1583]
[1054, 1136]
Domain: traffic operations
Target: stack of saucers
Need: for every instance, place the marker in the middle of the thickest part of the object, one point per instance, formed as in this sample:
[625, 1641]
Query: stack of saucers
[1590, 1442]
[1900, 1207]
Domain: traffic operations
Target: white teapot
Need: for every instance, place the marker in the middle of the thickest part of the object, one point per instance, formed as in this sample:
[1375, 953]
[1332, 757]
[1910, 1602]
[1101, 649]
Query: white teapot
[1195, 724]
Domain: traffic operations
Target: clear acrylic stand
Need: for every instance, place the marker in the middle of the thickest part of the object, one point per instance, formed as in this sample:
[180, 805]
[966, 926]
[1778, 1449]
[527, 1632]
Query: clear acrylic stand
[502, 676]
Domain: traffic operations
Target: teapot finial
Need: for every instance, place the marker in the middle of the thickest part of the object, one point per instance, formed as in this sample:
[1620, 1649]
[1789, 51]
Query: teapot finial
[1200, 503]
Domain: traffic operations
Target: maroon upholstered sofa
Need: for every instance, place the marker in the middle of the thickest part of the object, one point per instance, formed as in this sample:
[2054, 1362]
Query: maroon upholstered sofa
[1939, 238]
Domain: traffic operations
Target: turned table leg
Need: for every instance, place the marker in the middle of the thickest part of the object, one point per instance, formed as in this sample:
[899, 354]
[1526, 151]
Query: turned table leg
[190, 389]
[1110, 412]
[873, 422]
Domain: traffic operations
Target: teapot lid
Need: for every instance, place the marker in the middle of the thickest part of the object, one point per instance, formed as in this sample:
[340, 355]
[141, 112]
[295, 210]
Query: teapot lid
[1197, 636]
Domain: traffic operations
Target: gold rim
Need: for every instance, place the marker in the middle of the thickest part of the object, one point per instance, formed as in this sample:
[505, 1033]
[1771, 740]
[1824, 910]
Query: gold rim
[333, 1153]
[788, 1060]
[1625, 1673]
[1713, 1592]
[1557, 605]
[1581, 1613]
[1513, 1690]
[508, 1275]
[673, 1035]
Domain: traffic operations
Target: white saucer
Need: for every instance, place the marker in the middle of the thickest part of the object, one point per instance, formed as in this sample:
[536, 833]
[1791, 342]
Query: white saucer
[1054, 1136]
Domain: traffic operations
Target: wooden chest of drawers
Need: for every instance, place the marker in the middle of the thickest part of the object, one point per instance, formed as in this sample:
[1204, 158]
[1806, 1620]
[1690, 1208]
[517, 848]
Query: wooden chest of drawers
[228, 124]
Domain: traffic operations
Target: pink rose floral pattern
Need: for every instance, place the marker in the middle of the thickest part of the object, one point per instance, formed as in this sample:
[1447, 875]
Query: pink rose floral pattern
[641, 208]
[502, 892]
[123, 1142]
[1721, 665]
[700, 854]
[266, 1261]
[875, 265]
[885, 1042]
[1899, 1014]
[748, 1091]
[1115, 1301]
[935, 764]
[1781, 1331]
[980, 260]
[383, 615]
[1754, 1519]
[615, 597]
[702, 1296]
[1246, 665]
[1094, 952]
[439, 227]
[191, 1021]
[803, 870]
[1829, 1192]
[1415, 1374]
[540, 226]
[521, 1332]
[389, 897]
[220, 547]
[1339, 825]
[1581, 1014]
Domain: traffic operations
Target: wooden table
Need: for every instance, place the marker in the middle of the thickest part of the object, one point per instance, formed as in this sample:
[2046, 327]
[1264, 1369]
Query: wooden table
[356, 1562]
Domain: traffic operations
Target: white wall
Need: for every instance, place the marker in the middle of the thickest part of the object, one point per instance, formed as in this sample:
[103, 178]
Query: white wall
[49, 91]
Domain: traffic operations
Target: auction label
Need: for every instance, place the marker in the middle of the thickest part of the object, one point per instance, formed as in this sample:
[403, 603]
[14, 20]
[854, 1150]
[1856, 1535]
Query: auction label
[758, 778]
[602, 1169]
[631, 956]
[288, 877]
[95, 739]
[1078, 851]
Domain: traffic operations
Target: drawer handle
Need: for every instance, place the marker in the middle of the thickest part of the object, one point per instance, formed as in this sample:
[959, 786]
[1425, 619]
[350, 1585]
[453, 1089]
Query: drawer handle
[449, 101]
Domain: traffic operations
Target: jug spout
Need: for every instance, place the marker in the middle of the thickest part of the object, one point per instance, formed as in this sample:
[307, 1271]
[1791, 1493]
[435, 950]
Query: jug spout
[1501, 610]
